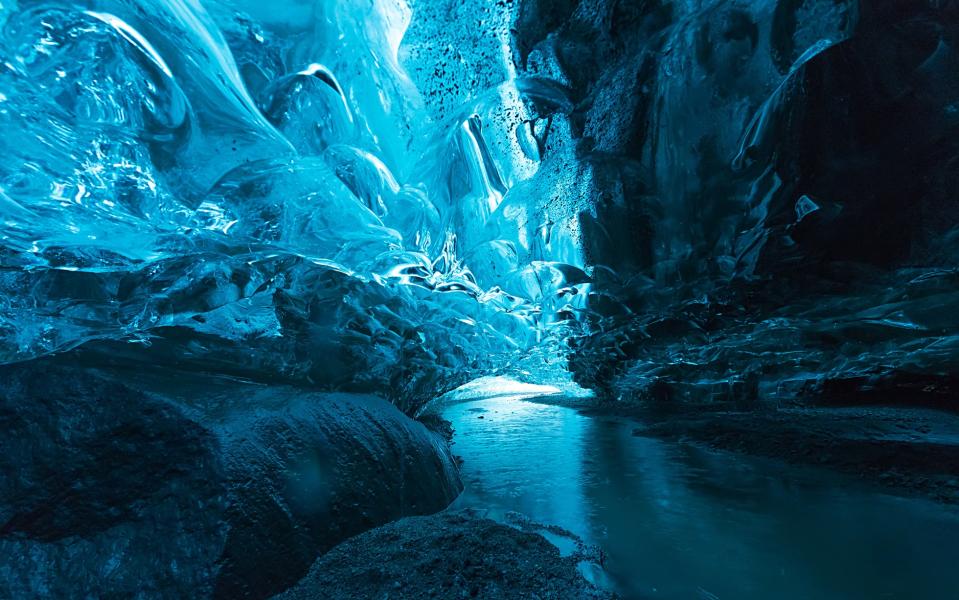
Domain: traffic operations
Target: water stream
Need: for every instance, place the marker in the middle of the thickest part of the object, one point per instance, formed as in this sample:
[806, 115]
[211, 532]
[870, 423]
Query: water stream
[678, 521]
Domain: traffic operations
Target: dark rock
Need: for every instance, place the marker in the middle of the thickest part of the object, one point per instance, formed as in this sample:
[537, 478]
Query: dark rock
[317, 470]
[104, 490]
[449, 555]
[191, 489]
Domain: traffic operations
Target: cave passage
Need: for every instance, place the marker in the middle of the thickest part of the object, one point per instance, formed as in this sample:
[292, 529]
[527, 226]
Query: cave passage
[404, 299]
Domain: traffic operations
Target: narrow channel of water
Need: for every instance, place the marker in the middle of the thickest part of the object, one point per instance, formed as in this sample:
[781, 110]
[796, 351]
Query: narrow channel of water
[677, 521]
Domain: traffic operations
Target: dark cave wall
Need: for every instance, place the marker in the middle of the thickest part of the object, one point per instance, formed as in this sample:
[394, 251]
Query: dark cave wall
[755, 162]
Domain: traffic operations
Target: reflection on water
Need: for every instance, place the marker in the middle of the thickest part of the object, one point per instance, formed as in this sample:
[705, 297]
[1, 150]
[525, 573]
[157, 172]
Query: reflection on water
[682, 522]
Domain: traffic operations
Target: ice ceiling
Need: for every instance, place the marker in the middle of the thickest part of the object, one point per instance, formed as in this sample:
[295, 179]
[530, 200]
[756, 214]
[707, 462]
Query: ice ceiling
[401, 196]
[262, 190]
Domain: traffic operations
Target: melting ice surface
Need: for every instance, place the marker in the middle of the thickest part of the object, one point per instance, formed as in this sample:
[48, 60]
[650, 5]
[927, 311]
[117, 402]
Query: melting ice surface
[676, 521]
[260, 191]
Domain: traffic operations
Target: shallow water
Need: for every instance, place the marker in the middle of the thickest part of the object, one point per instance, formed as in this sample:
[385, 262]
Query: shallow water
[676, 521]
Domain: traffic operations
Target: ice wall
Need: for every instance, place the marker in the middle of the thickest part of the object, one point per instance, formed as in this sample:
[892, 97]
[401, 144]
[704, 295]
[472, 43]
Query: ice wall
[773, 194]
[716, 199]
[263, 191]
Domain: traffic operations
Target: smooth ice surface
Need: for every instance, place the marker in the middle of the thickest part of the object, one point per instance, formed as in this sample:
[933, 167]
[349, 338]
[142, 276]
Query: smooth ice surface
[677, 521]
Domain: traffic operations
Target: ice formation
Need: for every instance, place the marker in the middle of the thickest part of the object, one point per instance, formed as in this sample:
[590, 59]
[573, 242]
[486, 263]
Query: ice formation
[714, 199]
[217, 215]
[262, 191]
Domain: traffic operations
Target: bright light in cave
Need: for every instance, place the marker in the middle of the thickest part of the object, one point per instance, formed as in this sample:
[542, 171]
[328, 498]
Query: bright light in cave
[496, 387]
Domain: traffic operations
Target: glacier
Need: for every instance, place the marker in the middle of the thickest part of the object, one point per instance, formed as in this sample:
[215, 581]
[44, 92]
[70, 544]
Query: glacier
[268, 195]
[265, 238]
[673, 195]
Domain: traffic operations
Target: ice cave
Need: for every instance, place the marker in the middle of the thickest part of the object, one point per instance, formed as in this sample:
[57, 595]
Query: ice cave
[532, 299]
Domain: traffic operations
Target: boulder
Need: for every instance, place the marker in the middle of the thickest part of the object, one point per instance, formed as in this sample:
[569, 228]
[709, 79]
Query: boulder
[113, 485]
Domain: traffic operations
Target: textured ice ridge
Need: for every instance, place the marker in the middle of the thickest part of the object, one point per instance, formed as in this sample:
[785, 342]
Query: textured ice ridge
[261, 191]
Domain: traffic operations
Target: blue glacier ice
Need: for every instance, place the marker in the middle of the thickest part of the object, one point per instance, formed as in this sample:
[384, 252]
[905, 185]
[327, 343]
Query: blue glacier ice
[245, 245]
[399, 197]
[265, 192]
